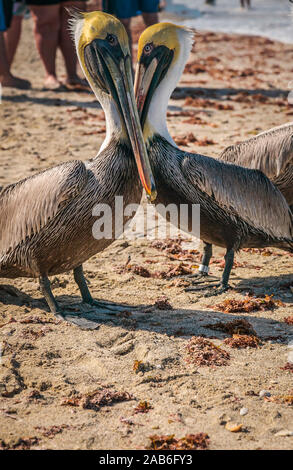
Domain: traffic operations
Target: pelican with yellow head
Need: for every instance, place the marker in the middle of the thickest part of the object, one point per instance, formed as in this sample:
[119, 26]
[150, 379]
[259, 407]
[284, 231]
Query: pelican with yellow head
[103, 50]
[163, 50]
[234, 201]
[47, 221]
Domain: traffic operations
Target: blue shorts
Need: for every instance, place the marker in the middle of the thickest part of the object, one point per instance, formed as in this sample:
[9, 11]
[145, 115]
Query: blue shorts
[128, 8]
[5, 14]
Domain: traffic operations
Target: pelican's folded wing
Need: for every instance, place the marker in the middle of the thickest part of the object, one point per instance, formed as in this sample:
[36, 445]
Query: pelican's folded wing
[271, 151]
[243, 193]
[28, 205]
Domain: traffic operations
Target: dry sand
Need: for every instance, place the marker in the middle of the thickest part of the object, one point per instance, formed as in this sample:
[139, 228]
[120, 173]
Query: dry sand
[48, 366]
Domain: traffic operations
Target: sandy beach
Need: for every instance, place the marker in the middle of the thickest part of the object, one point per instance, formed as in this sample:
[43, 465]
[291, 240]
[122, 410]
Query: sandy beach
[144, 373]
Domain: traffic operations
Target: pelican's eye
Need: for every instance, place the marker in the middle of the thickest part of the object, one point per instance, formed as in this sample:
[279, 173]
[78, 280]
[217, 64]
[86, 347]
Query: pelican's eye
[111, 39]
[148, 48]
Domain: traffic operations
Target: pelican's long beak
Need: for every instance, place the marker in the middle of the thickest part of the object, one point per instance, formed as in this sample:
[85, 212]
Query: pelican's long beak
[142, 84]
[112, 72]
[149, 73]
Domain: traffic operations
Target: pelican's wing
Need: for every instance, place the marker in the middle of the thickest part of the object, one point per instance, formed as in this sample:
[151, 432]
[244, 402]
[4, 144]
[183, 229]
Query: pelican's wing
[271, 151]
[245, 194]
[27, 206]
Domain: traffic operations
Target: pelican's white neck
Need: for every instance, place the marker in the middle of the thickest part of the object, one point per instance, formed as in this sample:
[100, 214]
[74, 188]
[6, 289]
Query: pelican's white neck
[114, 123]
[156, 121]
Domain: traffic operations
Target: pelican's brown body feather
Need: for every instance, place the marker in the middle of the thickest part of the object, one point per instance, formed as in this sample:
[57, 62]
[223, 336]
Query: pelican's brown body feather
[46, 220]
[272, 153]
[238, 207]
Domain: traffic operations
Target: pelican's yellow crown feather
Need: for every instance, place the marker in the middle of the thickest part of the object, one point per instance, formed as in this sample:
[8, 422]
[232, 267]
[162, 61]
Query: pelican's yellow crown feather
[165, 34]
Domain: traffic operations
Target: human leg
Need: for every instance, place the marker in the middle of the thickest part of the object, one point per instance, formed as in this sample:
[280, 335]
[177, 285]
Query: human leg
[46, 29]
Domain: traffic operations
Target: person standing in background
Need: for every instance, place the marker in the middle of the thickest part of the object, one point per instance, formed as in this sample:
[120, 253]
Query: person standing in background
[12, 35]
[125, 10]
[7, 53]
[51, 31]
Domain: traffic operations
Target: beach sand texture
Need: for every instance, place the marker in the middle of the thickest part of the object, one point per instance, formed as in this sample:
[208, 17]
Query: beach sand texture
[63, 387]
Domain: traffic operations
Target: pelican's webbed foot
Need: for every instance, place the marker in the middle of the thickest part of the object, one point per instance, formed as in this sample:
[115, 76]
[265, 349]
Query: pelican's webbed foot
[218, 290]
[202, 285]
[81, 315]
[100, 307]
[202, 281]
[213, 289]
[200, 278]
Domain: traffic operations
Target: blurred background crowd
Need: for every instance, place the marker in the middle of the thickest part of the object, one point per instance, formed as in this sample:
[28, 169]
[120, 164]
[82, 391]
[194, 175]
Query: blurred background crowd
[50, 18]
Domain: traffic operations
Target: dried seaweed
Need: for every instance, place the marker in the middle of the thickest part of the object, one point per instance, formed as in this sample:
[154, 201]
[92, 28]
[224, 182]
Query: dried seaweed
[21, 444]
[95, 400]
[249, 304]
[143, 407]
[53, 430]
[98, 398]
[39, 320]
[203, 352]
[199, 441]
[162, 303]
[242, 341]
[288, 366]
[204, 103]
[190, 138]
[30, 333]
[34, 395]
[284, 399]
[234, 327]
[71, 401]
[180, 270]
[170, 245]
[138, 366]
[135, 269]
[32, 319]
[261, 251]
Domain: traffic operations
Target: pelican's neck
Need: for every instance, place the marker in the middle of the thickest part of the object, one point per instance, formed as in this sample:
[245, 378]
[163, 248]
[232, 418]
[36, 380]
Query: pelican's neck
[115, 128]
[156, 121]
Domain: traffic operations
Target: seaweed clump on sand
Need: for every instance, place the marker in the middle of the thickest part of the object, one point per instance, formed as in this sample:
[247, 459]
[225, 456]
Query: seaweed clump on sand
[162, 303]
[242, 341]
[234, 327]
[98, 398]
[288, 366]
[203, 352]
[143, 407]
[249, 305]
[199, 441]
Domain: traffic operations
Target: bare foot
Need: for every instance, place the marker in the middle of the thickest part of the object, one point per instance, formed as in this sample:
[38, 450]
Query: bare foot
[52, 83]
[15, 82]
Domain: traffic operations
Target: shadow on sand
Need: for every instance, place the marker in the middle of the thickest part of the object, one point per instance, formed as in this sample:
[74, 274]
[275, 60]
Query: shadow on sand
[176, 322]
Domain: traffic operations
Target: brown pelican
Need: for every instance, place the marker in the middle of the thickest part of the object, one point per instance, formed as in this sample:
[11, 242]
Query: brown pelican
[46, 220]
[239, 207]
[272, 153]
